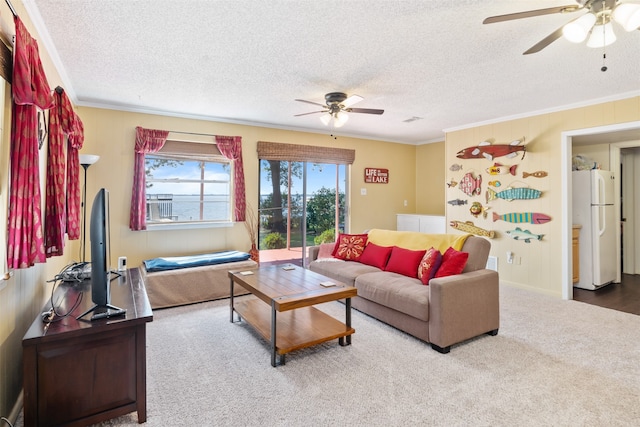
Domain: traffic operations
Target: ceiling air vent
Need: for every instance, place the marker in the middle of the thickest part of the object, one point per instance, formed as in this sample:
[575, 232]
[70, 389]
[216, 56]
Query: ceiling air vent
[412, 119]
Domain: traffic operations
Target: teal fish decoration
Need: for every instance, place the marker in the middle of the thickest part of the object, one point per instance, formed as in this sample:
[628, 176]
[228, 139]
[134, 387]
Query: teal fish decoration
[530, 217]
[526, 235]
[511, 193]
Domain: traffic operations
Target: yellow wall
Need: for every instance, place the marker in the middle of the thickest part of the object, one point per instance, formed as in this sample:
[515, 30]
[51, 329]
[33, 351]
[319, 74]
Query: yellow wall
[430, 179]
[110, 134]
[541, 266]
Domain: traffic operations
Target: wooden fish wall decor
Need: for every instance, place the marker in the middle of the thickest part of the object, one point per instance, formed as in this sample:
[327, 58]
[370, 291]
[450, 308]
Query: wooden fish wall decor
[526, 235]
[489, 151]
[495, 183]
[513, 193]
[457, 202]
[468, 227]
[521, 217]
[476, 209]
[536, 174]
[455, 168]
[452, 183]
[498, 169]
[471, 186]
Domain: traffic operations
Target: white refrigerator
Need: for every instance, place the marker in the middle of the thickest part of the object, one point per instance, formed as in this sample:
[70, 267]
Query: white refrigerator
[593, 209]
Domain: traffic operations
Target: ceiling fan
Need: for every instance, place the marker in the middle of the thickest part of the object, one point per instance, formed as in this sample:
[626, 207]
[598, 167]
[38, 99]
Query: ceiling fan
[596, 23]
[337, 105]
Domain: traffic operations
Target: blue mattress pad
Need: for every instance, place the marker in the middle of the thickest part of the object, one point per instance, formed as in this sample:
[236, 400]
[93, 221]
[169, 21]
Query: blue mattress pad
[174, 263]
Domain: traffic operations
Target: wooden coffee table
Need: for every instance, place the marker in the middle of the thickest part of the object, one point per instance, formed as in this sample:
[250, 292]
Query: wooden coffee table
[282, 311]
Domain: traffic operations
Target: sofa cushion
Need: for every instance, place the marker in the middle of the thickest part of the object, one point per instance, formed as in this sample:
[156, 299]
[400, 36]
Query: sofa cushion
[429, 265]
[404, 261]
[346, 273]
[350, 246]
[395, 291]
[375, 255]
[325, 252]
[453, 262]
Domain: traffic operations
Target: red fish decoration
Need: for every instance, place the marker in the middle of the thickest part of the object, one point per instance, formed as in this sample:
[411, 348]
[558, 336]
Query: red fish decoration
[471, 186]
[489, 151]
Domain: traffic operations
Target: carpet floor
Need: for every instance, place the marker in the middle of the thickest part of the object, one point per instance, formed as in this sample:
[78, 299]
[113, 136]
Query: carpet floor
[553, 363]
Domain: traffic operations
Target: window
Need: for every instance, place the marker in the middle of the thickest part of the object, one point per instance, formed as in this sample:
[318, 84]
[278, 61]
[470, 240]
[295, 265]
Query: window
[185, 184]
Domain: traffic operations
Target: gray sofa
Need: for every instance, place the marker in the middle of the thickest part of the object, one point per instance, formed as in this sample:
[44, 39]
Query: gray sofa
[450, 310]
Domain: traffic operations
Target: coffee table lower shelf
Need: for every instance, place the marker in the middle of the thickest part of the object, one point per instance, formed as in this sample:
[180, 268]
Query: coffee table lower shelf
[295, 329]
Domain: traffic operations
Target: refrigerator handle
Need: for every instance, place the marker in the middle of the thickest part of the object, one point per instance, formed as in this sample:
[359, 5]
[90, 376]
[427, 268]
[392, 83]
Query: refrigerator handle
[602, 219]
[599, 193]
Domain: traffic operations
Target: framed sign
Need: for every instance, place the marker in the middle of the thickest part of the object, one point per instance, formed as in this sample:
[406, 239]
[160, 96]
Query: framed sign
[376, 176]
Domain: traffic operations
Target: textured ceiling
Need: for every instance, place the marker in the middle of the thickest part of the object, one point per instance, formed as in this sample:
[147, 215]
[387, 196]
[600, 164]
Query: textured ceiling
[246, 61]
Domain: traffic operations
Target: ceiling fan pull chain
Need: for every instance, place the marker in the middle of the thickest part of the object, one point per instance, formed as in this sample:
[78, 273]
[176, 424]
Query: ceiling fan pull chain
[604, 42]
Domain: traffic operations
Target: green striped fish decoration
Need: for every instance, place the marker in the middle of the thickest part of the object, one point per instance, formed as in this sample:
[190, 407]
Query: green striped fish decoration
[520, 217]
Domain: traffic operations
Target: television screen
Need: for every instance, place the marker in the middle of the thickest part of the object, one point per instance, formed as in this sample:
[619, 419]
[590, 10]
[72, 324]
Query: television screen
[100, 259]
[99, 237]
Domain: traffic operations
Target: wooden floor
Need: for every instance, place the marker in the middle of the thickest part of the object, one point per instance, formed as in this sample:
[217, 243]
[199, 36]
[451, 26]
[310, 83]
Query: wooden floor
[624, 296]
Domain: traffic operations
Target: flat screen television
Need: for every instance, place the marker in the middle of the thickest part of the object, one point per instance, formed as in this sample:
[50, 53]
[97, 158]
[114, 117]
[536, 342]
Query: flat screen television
[100, 259]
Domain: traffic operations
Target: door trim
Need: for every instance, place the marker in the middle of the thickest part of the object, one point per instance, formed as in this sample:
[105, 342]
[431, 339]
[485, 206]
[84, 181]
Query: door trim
[566, 189]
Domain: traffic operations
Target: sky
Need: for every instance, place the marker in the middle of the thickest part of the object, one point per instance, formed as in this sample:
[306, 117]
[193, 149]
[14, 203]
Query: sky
[318, 176]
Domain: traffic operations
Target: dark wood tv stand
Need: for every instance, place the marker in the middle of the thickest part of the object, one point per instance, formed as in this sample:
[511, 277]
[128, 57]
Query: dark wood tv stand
[80, 372]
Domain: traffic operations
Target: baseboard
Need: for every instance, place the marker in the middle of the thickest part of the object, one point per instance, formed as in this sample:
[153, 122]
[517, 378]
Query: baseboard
[530, 288]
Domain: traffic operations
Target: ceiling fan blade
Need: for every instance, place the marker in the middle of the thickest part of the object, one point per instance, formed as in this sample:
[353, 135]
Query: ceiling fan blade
[353, 99]
[364, 110]
[545, 42]
[313, 112]
[312, 103]
[531, 13]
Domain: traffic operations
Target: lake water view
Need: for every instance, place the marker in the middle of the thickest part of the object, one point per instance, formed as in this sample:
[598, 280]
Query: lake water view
[186, 207]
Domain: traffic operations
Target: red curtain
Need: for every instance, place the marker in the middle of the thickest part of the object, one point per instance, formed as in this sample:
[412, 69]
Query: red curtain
[75, 140]
[147, 141]
[30, 89]
[61, 122]
[231, 148]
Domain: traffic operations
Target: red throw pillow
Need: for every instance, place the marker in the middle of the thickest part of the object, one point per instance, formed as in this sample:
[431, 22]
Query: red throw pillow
[375, 255]
[404, 261]
[453, 262]
[350, 246]
[429, 265]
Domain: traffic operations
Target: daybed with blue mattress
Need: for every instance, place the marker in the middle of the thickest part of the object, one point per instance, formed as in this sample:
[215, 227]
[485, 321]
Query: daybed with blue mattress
[173, 281]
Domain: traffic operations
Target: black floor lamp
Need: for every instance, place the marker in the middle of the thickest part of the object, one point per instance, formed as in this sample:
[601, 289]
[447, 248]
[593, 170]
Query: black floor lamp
[86, 160]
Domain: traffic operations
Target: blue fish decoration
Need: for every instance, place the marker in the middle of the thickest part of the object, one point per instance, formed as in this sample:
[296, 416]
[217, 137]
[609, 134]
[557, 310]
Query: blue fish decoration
[510, 194]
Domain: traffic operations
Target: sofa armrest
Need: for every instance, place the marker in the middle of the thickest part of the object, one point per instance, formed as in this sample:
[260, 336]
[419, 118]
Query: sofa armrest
[463, 306]
[313, 252]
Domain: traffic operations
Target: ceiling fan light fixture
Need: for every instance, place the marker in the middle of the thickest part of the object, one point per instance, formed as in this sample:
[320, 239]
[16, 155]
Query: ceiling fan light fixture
[601, 36]
[577, 30]
[340, 119]
[628, 16]
[325, 119]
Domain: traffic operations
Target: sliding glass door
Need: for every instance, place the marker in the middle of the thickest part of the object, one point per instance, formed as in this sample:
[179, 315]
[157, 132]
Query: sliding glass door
[301, 204]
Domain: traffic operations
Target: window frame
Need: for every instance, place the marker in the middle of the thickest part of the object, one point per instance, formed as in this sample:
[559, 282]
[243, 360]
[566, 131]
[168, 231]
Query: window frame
[197, 152]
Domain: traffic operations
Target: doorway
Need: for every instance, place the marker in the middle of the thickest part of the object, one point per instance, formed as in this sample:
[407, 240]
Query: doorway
[618, 136]
[301, 204]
